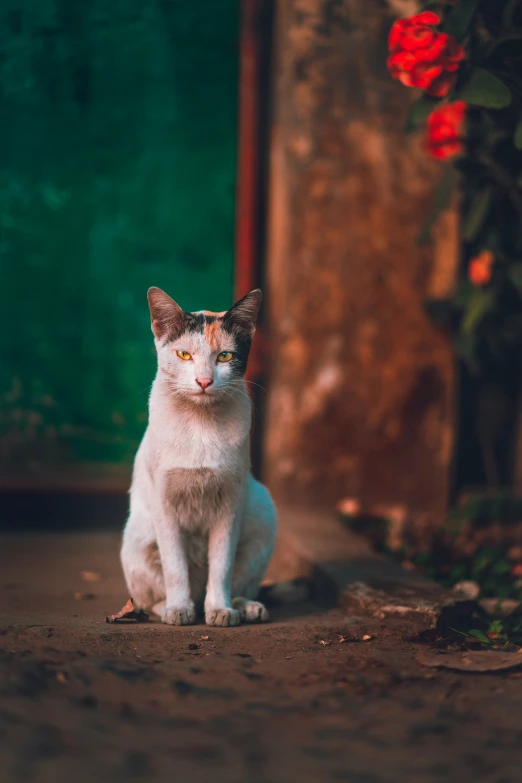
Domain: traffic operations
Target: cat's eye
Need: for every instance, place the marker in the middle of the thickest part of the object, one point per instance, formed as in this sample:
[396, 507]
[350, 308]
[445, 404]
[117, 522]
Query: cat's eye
[225, 356]
[184, 355]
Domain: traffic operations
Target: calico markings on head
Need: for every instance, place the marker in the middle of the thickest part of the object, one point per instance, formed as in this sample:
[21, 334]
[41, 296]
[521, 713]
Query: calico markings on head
[202, 355]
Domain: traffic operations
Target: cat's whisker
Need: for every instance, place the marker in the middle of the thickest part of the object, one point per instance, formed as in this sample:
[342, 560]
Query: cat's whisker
[253, 383]
[241, 392]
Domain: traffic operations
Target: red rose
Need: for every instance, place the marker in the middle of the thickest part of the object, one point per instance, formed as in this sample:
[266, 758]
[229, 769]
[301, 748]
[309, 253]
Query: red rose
[479, 270]
[445, 130]
[424, 57]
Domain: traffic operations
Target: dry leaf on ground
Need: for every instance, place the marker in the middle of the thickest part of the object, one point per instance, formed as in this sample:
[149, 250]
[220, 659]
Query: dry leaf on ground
[473, 660]
[128, 613]
[90, 576]
[350, 507]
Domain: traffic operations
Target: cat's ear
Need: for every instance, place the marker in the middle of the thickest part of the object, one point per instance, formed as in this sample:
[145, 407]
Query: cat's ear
[243, 315]
[165, 314]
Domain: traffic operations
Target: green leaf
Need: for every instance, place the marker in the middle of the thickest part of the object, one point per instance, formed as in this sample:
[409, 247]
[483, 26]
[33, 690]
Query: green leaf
[464, 293]
[474, 634]
[479, 635]
[496, 626]
[419, 113]
[517, 137]
[477, 306]
[485, 89]
[515, 275]
[440, 201]
[476, 213]
[466, 347]
[459, 18]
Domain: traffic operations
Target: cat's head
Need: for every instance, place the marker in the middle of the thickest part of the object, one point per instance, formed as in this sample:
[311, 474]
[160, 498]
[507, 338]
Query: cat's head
[202, 355]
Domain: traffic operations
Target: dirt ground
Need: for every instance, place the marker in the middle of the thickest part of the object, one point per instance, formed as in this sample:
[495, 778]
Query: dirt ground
[302, 699]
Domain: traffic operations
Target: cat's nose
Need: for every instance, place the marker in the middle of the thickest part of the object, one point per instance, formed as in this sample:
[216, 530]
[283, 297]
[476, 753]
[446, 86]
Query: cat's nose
[204, 382]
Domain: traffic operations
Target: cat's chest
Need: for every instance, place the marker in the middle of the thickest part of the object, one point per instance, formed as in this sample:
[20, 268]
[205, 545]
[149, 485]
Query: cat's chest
[199, 495]
[195, 448]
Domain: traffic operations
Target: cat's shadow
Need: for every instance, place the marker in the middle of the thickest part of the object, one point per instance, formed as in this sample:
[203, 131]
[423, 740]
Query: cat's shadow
[286, 612]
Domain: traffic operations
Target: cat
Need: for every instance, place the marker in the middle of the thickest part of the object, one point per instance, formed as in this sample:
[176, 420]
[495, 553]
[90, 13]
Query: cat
[201, 529]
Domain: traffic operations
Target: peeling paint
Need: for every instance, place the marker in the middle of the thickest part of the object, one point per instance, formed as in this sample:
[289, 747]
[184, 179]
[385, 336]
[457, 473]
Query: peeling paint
[317, 394]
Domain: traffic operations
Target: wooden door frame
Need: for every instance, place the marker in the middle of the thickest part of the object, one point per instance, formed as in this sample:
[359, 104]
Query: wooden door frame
[252, 98]
[252, 166]
[251, 185]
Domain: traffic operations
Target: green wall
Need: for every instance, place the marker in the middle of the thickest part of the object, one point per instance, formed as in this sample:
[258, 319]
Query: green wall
[117, 168]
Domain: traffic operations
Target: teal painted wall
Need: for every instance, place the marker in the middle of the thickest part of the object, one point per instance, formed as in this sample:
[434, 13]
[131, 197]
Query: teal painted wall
[117, 170]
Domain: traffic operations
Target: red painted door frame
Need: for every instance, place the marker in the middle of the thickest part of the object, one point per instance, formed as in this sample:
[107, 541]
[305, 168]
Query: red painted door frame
[254, 63]
[248, 149]
[254, 88]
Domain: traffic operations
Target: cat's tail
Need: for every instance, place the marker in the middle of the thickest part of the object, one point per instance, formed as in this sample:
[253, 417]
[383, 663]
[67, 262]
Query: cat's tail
[294, 591]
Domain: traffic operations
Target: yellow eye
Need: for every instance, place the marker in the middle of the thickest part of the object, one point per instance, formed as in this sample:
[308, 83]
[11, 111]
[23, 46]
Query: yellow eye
[225, 356]
[184, 355]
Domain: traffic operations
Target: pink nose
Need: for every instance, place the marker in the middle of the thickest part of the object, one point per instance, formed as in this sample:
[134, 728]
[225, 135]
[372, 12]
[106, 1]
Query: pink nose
[204, 382]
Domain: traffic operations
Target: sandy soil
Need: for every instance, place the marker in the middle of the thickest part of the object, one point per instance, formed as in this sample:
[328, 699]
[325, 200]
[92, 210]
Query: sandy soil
[291, 701]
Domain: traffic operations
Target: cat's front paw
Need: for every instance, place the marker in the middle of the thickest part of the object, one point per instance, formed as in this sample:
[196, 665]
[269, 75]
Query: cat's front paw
[251, 611]
[179, 615]
[223, 617]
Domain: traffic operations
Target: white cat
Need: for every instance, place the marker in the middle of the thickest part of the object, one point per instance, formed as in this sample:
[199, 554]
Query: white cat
[201, 529]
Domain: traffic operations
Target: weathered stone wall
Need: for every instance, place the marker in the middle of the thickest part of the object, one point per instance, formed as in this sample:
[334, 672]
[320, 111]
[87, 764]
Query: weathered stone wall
[362, 386]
